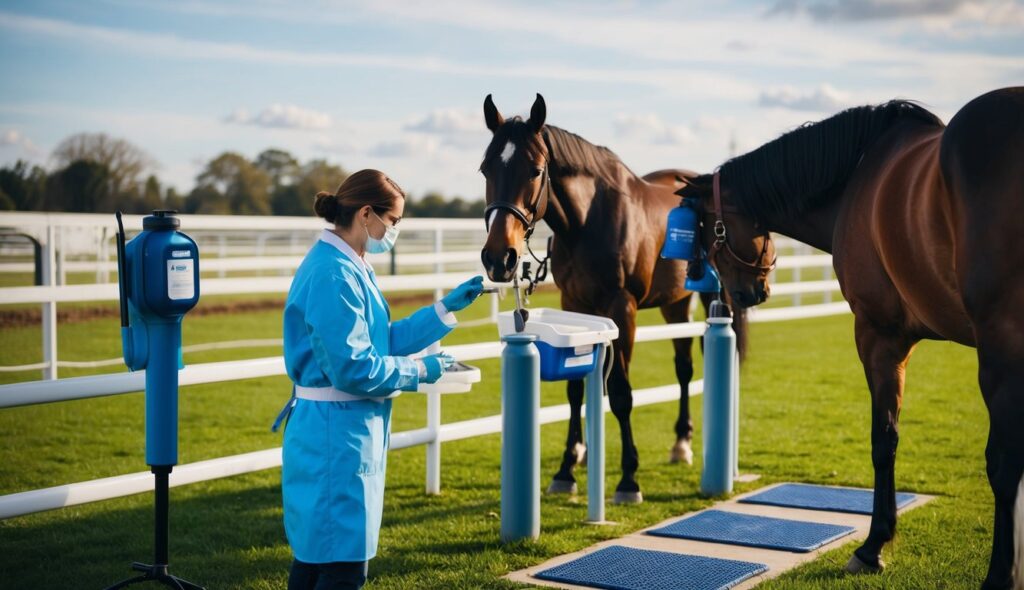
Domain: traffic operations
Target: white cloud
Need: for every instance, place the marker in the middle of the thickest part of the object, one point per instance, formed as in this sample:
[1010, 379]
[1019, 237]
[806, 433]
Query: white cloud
[824, 98]
[333, 145]
[448, 121]
[854, 10]
[285, 116]
[650, 128]
[405, 147]
[12, 138]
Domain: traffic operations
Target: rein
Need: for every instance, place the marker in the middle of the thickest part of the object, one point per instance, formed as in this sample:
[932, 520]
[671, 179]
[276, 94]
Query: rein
[721, 242]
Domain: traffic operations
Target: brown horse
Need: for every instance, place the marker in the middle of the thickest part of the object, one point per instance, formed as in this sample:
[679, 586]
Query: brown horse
[609, 225]
[924, 223]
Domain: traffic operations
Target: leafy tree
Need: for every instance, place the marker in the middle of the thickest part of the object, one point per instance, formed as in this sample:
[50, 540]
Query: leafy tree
[125, 163]
[281, 166]
[314, 176]
[81, 186]
[6, 202]
[232, 184]
[25, 186]
[151, 197]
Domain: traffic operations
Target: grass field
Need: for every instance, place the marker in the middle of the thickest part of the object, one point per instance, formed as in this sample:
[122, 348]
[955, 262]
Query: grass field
[804, 418]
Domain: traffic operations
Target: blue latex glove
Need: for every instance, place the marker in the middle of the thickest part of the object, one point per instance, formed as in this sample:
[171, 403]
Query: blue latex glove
[436, 365]
[464, 294]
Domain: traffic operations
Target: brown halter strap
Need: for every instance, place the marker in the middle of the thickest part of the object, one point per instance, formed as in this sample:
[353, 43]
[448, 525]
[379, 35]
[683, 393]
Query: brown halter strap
[722, 238]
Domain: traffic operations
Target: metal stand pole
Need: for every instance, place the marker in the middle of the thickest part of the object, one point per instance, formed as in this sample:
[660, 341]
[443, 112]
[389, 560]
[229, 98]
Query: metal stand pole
[719, 409]
[520, 438]
[595, 438]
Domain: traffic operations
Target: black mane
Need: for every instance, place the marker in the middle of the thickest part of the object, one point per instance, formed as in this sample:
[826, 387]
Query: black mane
[571, 154]
[792, 173]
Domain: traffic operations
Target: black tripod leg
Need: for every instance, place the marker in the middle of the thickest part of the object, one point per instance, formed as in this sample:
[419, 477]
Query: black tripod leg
[186, 585]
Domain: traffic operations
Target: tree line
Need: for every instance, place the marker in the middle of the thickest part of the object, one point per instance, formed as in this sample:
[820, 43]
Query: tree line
[95, 173]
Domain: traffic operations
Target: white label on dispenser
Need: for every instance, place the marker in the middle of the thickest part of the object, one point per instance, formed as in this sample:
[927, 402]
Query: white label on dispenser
[181, 254]
[181, 282]
[579, 361]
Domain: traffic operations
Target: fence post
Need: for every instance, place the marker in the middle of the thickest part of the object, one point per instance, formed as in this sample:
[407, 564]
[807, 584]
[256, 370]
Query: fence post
[433, 484]
[438, 266]
[101, 254]
[494, 307]
[49, 308]
[62, 273]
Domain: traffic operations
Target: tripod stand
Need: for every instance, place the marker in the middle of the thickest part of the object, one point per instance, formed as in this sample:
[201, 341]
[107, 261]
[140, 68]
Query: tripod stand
[158, 571]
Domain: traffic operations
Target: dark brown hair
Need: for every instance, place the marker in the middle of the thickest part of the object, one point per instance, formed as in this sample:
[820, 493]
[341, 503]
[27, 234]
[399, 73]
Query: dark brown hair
[366, 187]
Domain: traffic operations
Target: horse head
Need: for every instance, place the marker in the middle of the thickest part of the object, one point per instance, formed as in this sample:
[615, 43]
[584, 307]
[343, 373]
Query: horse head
[515, 166]
[737, 246]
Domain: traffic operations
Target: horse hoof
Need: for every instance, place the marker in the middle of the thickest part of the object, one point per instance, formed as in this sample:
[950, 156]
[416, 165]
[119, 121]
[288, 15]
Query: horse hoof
[581, 454]
[559, 486]
[628, 498]
[856, 566]
[682, 452]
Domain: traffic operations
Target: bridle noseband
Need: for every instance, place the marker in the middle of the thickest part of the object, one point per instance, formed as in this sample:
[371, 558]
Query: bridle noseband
[721, 242]
[536, 210]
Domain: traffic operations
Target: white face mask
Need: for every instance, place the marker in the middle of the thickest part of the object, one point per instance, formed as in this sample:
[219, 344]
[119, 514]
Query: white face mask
[386, 243]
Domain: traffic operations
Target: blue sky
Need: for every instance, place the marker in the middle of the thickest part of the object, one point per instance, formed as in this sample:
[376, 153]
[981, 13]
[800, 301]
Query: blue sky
[399, 85]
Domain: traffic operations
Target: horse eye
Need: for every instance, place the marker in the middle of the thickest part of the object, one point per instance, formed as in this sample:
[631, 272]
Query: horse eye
[536, 172]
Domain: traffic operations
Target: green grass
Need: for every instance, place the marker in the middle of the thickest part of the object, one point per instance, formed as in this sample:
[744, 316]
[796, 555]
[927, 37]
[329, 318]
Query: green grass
[804, 418]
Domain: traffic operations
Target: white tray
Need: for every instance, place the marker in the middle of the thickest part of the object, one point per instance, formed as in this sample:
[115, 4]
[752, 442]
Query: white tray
[459, 379]
[562, 329]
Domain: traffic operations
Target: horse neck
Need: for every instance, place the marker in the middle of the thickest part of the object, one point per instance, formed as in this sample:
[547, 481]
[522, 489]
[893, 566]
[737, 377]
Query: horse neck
[814, 227]
[572, 196]
[569, 202]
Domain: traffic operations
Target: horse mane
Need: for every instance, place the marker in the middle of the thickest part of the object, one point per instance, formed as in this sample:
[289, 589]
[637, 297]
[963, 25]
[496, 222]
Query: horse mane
[565, 152]
[803, 167]
[571, 154]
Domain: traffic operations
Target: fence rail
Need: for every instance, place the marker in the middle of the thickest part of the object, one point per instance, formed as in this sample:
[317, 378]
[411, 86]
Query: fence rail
[433, 434]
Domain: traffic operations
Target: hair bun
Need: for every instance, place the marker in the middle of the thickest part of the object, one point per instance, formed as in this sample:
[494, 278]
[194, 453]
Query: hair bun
[325, 205]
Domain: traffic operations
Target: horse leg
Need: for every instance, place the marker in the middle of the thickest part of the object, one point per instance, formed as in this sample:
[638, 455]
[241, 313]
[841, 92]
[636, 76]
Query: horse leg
[620, 397]
[1001, 376]
[884, 355]
[682, 450]
[564, 482]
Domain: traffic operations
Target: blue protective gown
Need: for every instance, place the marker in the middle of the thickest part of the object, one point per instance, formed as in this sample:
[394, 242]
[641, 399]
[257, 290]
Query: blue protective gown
[337, 333]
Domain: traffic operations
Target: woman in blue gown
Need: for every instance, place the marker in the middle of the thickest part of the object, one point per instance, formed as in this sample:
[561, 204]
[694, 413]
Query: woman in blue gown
[348, 360]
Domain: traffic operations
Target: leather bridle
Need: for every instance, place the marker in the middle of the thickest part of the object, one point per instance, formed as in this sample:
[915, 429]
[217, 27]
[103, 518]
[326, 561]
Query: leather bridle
[721, 243]
[533, 212]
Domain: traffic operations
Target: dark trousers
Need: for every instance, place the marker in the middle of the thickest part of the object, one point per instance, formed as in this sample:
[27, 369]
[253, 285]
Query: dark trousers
[339, 575]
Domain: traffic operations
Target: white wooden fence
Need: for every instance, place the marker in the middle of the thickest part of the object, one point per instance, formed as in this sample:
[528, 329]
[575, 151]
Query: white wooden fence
[51, 389]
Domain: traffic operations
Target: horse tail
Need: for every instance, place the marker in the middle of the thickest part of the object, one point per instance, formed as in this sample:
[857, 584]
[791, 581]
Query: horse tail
[1018, 538]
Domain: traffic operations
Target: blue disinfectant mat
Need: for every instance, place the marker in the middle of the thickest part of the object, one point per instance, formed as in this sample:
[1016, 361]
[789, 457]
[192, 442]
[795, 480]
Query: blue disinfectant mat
[750, 530]
[801, 495]
[626, 568]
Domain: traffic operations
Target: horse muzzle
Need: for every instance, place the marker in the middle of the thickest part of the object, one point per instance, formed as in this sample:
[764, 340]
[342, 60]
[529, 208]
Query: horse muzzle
[500, 265]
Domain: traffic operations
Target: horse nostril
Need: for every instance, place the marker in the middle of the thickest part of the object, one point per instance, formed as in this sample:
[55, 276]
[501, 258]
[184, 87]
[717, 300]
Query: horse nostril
[511, 258]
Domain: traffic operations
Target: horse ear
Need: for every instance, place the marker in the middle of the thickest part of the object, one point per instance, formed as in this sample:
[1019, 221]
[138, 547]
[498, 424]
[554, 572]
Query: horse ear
[538, 113]
[491, 115]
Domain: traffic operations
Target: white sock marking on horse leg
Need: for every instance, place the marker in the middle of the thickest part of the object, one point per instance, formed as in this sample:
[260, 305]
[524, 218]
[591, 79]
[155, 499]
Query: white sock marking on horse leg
[1018, 538]
[506, 154]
